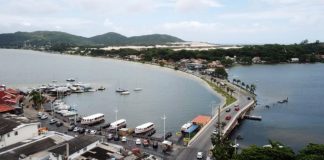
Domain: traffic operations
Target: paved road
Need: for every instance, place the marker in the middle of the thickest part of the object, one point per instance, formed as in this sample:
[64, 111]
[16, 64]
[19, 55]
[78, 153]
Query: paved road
[203, 142]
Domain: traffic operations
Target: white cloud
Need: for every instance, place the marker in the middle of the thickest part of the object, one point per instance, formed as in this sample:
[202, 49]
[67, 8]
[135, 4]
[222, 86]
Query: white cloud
[192, 5]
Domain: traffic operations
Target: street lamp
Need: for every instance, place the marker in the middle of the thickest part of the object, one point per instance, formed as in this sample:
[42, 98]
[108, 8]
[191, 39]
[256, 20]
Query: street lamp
[164, 118]
[116, 111]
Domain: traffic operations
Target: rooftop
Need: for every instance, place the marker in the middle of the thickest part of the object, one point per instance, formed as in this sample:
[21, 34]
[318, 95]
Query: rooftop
[201, 119]
[5, 108]
[75, 144]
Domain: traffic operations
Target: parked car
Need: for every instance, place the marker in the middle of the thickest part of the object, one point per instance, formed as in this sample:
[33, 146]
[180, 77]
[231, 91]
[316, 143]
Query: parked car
[116, 138]
[138, 141]
[215, 132]
[228, 110]
[228, 117]
[93, 132]
[199, 155]
[52, 121]
[237, 108]
[155, 145]
[76, 129]
[81, 130]
[110, 136]
[44, 116]
[59, 124]
[146, 143]
[71, 128]
[124, 139]
[39, 114]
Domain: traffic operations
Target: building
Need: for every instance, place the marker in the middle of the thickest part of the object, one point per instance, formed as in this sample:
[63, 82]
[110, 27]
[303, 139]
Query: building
[9, 96]
[201, 120]
[35, 148]
[16, 129]
[215, 64]
[294, 60]
[6, 109]
[256, 60]
[76, 147]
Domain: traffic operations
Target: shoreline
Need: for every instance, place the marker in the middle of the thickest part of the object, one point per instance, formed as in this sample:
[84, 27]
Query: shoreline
[199, 80]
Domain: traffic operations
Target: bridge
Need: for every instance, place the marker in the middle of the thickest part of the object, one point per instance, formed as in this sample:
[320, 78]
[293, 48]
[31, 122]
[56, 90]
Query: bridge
[202, 141]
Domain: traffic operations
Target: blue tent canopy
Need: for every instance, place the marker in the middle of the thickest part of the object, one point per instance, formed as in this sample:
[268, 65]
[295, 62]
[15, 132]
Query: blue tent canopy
[191, 129]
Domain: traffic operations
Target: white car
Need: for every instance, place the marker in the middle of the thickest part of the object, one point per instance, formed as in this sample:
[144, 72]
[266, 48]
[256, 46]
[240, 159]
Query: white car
[44, 116]
[39, 114]
[124, 139]
[199, 155]
[93, 132]
[76, 129]
[138, 141]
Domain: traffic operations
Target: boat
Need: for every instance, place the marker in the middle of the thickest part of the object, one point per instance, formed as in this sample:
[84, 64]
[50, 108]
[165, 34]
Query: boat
[120, 90]
[101, 88]
[186, 126]
[93, 119]
[144, 127]
[70, 80]
[118, 124]
[138, 89]
[125, 93]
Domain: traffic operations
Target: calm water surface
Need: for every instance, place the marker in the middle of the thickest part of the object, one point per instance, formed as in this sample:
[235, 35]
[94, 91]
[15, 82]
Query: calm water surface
[296, 123]
[164, 91]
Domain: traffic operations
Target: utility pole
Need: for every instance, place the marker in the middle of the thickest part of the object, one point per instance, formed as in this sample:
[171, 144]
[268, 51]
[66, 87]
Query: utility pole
[116, 111]
[164, 118]
[219, 124]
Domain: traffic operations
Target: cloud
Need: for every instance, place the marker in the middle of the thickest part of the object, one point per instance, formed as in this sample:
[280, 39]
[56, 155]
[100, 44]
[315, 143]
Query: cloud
[192, 5]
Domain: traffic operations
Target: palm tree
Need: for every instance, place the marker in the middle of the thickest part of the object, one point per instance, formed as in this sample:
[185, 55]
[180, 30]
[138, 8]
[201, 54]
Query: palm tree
[252, 88]
[37, 98]
[234, 80]
[247, 87]
[238, 81]
[243, 84]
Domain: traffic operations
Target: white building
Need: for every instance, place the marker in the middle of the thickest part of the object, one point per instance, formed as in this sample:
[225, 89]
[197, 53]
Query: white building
[294, 60]
[14, 130]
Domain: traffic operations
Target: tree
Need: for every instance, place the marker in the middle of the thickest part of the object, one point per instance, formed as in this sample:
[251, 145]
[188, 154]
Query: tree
[234, 80]
[252, 88]
[312, 152]
[37, 99]
[221, 73]
[222, 147]
[243, 84]
[238, 81]
[276, 151]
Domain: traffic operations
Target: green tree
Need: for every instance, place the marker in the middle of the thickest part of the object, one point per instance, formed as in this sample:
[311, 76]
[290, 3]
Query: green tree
[221, 73]
[275, 151]
[37, 99]
[312, 152]
[222, 148]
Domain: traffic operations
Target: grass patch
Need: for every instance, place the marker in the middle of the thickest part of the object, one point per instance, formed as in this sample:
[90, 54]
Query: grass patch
[228, 98]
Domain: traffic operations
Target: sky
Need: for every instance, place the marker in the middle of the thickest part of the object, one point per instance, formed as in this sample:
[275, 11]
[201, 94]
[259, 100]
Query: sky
[214, 21]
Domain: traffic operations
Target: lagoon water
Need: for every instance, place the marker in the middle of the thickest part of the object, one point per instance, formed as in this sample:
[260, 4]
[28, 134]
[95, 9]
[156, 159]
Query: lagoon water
[181, 98]
[165, 91]
[297, 123]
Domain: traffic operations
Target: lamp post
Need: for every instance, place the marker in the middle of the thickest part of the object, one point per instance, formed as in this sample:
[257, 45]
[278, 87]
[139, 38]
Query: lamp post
[164, 118]
[116, 111]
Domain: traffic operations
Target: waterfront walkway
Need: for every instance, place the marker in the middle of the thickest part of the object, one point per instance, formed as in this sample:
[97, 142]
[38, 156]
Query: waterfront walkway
[202, 141]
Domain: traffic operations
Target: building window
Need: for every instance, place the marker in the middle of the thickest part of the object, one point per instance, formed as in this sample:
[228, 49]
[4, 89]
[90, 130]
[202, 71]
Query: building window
[16, 133]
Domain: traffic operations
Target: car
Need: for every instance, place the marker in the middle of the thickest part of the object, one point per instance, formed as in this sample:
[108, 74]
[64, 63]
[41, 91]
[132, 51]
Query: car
[228, 110]
[116, 138]
[52, 121]
[81, 130]
[110, 136]
[76, 129]
[39, 114]
[236, 105]
[138, 141]
[93, 131]
[155, 145]
[124, 139]
[168, 135]
[228, 117]
[199, 155]
[59, 124]
[71, 128]
[44, 116]
[237, 108]
[146, 143]
[215, 132]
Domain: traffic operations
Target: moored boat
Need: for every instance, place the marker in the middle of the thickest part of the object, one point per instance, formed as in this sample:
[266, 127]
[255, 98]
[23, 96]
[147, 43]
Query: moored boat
[125, 93]
[93, 119]
[118, 124]
[138, 89]
[101, 88]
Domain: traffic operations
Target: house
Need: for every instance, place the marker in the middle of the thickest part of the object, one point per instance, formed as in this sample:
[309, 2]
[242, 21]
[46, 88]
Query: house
[215, 64]
[76, 147]
[201, 120]
[9, 96]
[6, 109]
[256, 60]
[134, 57]
[294, 60]
[16, 129]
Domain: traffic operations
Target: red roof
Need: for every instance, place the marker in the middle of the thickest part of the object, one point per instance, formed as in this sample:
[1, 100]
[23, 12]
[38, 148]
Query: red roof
[5, 108]
[201, 119]
[12, 91]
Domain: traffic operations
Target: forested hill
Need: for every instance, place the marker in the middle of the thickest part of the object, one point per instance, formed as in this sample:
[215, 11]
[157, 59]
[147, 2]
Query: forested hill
[43, 38]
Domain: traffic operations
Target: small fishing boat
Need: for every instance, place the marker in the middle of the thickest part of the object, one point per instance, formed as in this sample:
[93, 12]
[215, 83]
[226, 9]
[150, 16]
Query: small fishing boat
[125, 93]
[101, 88]
[138, 89]
[121, 90]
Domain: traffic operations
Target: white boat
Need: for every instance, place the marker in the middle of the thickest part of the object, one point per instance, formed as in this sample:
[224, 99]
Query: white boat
[121, 90]
[125, 93]
[69, 114]
[118, 124]
[101, 88]
[144, 127]
[62, 107]
[138, 89]
[70, 80]
[92, 119]
[186, 126]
